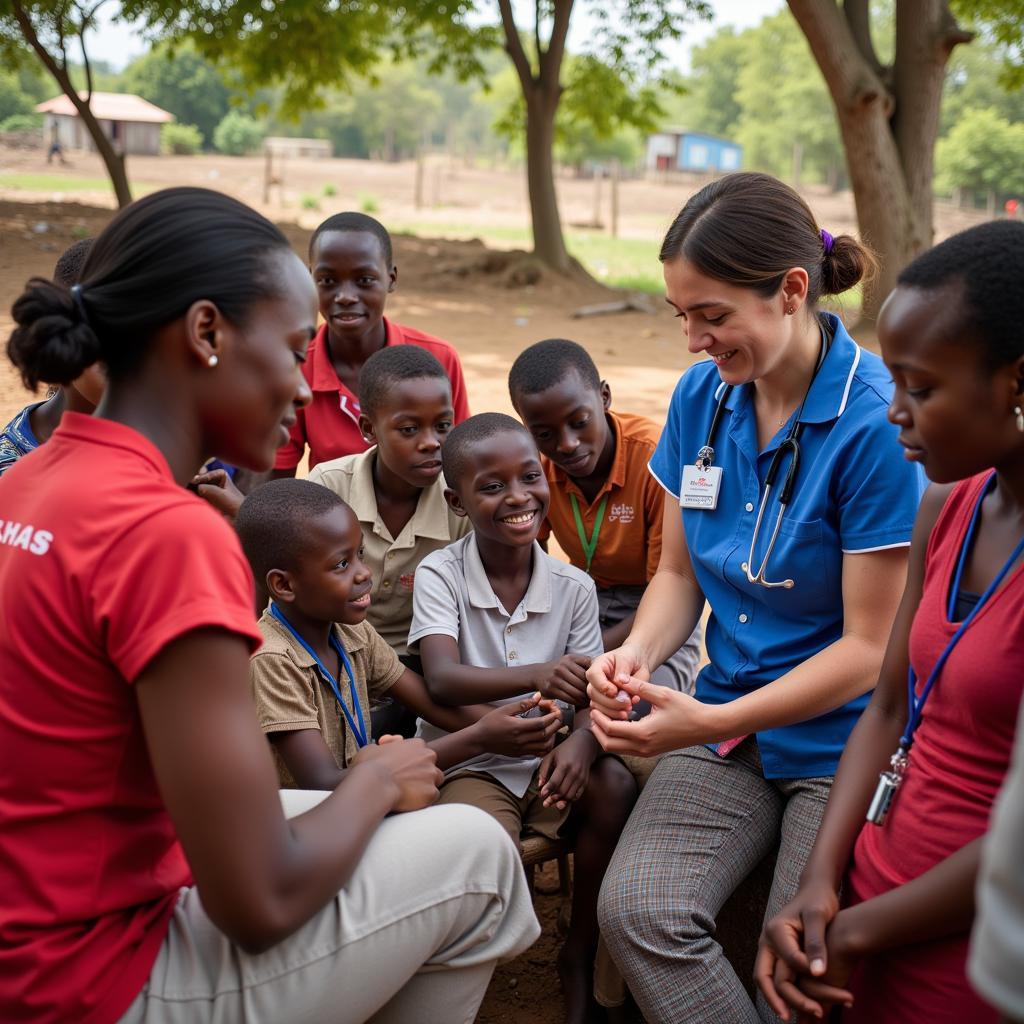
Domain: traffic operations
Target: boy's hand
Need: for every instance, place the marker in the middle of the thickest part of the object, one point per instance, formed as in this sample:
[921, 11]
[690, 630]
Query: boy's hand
[565, 772]
[504, 730]
[412, 767]
[565, 680]
[217, 488]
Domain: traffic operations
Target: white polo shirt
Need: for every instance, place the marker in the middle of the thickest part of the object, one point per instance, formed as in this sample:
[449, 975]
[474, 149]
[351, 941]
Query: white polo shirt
[557, 615]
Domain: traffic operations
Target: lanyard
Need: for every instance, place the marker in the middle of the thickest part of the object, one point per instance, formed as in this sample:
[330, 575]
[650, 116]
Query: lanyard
[915, 703]
[890, 781]
[358, 729]
[589, 543]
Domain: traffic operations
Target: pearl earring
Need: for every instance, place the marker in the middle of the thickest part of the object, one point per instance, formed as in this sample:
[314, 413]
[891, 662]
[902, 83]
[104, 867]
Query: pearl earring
[1020, 418]
[212, 361]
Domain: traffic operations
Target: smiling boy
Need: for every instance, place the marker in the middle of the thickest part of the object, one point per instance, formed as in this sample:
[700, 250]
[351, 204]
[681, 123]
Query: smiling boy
[321, 662]
[495, 617]
[351, 261]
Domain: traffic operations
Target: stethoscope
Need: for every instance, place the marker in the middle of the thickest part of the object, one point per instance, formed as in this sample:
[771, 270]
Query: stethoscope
[791, 446]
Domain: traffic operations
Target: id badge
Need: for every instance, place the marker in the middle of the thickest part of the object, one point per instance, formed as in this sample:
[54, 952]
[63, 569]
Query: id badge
[699, 487]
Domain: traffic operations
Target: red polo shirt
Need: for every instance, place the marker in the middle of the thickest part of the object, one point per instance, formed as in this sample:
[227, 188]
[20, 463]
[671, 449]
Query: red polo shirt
[104, 560]
[330, 423]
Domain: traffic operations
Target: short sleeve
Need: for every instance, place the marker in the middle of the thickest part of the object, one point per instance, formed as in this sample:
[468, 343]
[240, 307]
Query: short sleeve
[179, 570]
[585, 628]
[383, 667]
[460, 403]
[290, 455]
[877, 491]
[666, 463]
[282, 693]
[435, 604]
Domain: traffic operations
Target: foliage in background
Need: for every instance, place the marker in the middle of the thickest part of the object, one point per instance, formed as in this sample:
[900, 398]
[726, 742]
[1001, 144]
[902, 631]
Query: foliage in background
[999, 21]
[180, 139]
[22, 123]
[187, 85]
[984, 153]
[238, 134]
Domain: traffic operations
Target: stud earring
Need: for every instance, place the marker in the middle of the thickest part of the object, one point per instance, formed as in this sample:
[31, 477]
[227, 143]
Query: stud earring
[1020, 418]
[212, 361]
[790, 311]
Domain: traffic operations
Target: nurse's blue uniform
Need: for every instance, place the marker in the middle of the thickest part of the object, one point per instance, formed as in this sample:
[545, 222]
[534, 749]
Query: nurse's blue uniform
[704, 821]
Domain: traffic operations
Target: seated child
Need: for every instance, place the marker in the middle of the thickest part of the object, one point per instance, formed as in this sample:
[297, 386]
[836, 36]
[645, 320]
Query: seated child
[354, 272]
[36, 422]
[397, 492]
[320, 660]
[494, 618]
[606, 508]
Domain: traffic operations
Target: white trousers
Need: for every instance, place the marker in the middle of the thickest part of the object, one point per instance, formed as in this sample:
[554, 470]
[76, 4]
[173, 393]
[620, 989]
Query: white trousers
[439, 898]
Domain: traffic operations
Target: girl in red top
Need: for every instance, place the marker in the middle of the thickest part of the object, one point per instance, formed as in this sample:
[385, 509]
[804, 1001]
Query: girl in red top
[147, 870]
[892, 946]
[354, 272]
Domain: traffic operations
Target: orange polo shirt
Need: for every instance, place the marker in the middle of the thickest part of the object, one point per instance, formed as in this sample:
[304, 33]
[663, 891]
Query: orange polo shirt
[629, 543]
[330, 423]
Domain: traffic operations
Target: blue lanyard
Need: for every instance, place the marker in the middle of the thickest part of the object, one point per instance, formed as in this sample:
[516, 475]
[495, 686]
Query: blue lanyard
[358, 729]
[915, 703]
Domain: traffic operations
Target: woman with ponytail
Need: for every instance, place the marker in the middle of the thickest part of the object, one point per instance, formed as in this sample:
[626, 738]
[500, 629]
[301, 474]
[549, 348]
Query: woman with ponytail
[148, 871]
[789, 510]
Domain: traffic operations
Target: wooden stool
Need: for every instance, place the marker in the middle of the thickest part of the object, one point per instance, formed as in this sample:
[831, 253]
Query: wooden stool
[539, 850]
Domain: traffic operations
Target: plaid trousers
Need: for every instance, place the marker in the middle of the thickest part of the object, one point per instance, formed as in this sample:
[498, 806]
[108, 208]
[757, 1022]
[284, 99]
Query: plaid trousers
[702, 823]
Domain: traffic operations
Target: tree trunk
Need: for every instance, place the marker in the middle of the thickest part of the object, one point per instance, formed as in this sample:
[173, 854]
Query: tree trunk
[548, 241]
[888, 135]
[113, 161]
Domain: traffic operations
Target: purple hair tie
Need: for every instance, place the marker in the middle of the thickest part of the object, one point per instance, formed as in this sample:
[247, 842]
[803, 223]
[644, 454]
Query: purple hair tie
[826, 241]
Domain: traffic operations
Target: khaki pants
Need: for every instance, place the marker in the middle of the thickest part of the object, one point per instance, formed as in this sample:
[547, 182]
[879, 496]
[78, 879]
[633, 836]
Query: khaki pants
[438, 899]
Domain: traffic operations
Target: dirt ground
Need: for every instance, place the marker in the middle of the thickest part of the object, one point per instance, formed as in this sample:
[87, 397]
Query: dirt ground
[455, 289]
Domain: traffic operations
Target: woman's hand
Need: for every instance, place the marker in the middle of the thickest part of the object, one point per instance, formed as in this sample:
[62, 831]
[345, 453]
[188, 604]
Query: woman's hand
[793, 967]
[411, 766]
[607, 675]
[676, 720]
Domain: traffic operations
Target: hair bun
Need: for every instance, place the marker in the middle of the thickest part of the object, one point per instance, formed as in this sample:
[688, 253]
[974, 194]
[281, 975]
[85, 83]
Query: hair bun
[52, 342]
[846, 263]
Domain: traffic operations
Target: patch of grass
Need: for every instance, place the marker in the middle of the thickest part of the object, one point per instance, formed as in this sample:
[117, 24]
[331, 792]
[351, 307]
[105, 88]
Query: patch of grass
[619, 262]
[65, 183]
[368, 204]
[330, 190]
[310, 203]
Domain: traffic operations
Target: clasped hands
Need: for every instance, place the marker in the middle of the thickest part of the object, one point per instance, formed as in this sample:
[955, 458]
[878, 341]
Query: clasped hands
[619, 680]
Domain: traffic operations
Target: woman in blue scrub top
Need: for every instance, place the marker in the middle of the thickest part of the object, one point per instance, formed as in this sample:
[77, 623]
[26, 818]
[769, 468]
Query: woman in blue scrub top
[797, 628]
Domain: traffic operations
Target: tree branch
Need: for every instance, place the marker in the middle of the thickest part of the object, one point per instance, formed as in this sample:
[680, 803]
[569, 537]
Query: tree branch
[551, 62]
[83, 25]
[850, 79]
[858, 17]
[514, 47]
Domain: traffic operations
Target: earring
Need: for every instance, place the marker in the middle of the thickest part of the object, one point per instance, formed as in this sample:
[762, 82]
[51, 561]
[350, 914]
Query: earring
[790, 311]
[1020, 418]
[212, 361]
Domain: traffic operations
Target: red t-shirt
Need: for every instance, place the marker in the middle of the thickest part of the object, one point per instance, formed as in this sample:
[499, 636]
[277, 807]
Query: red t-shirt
[330, 423]
[104, 560]
[960, 756]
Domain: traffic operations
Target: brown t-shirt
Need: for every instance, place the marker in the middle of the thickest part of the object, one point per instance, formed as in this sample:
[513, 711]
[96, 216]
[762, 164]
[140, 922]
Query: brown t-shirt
[290, 694]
